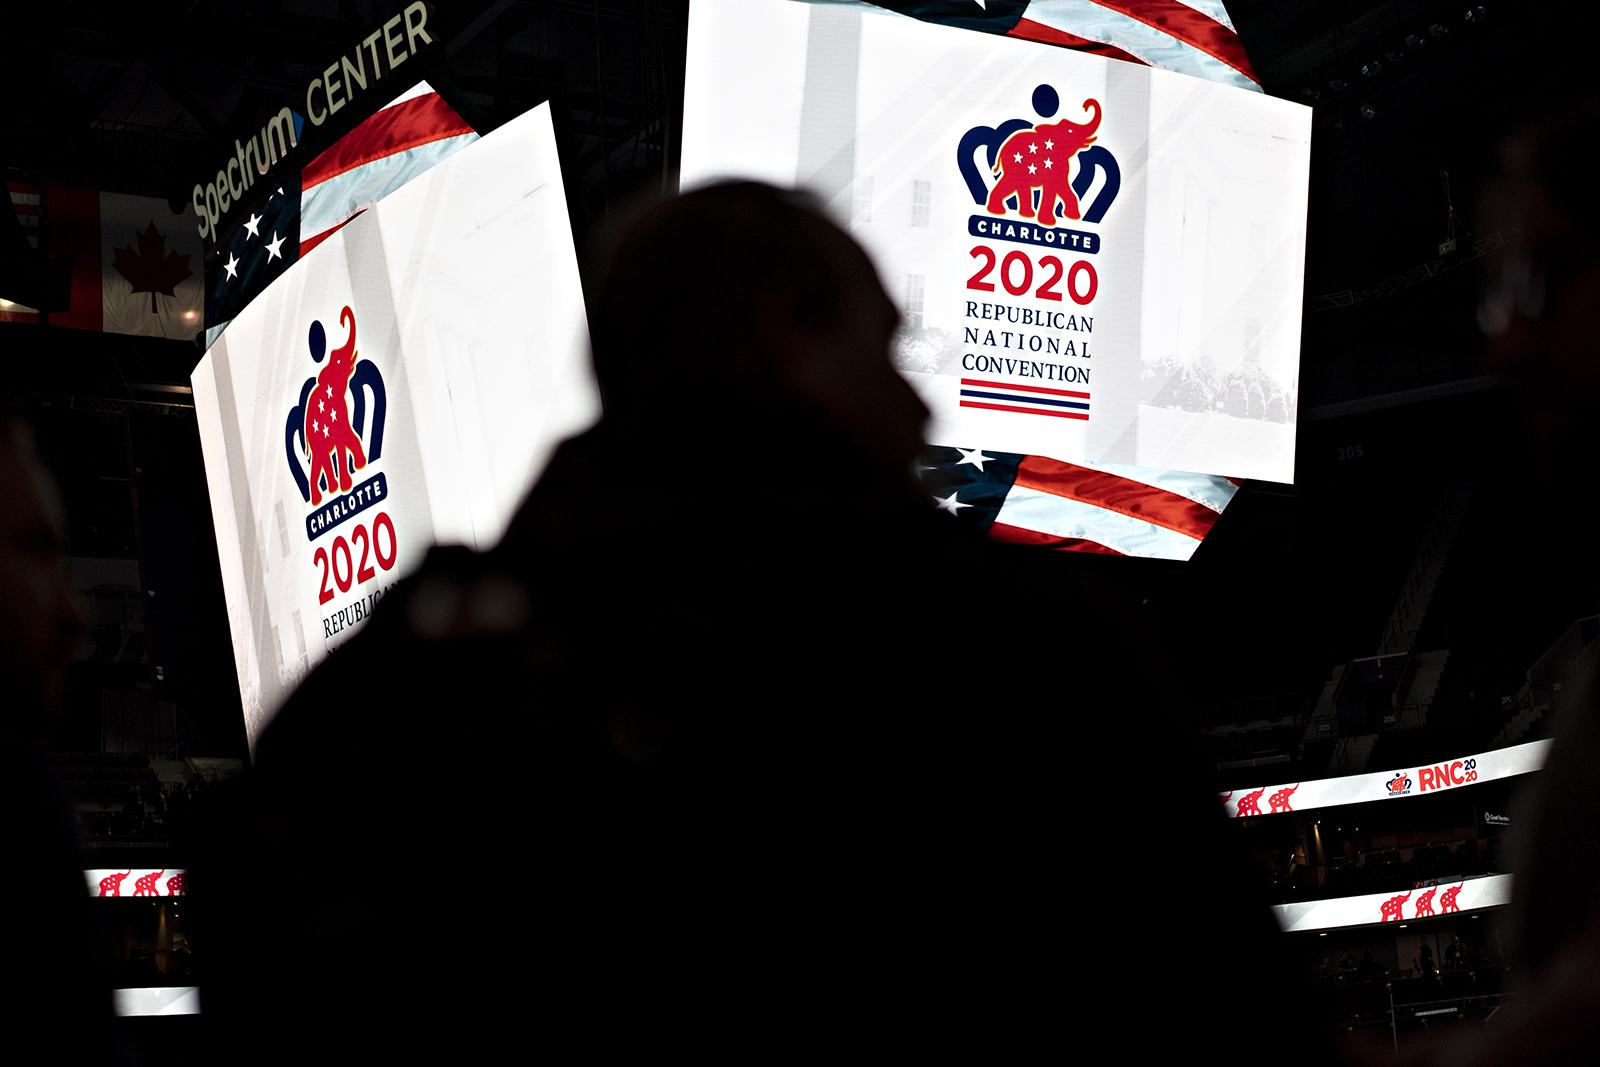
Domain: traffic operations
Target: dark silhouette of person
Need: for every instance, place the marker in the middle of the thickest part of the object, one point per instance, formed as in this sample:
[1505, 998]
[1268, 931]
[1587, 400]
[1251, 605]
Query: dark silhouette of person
[57, 1005]
[1456, 954]
[1541, 315]
[752, 749]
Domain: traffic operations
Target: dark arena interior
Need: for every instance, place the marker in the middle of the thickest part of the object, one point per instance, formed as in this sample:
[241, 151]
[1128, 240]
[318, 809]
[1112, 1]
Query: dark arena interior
[717, 749]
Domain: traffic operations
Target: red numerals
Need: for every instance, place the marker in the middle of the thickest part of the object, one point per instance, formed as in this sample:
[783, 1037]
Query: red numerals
[1080, 268]
[1047, 291]
[341, 565]
[977, 280]
[342, 547]
[364, 572]
[1016, 274]
[1015, 259]
[325, 594]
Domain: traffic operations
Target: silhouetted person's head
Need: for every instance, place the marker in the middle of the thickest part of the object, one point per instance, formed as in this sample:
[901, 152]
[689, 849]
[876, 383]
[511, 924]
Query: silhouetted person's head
[1542, 313]
[37, 618]
[743, 294]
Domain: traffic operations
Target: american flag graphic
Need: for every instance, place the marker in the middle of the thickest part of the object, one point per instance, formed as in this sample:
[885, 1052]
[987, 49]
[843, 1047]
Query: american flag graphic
[1193, 37]
[410, 134]
[1024, 399]
[1105, 508]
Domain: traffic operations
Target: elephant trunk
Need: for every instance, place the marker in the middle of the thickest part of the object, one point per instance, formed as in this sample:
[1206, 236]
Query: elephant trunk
[347, 318]
[1095, 125]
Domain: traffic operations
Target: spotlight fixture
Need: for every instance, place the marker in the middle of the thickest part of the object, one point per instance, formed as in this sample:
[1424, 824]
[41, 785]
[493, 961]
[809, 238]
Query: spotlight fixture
[1395, 57]
[1367, 112]
[1414, 42]
[1338, 86]
[1371, 69]
[1437, 30]
[1476, 14]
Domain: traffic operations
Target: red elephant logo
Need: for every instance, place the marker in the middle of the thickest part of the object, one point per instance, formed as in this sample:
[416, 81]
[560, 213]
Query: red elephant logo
[1041, 159]
[1394, 908]
[1250, 803]
[329, 429]
[331, 442]
[1425, 901]
[1279, 801]
[1043, 168]
[112, 886]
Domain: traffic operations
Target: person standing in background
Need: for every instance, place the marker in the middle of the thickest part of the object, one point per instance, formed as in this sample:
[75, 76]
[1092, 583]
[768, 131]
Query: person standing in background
[57, 1003]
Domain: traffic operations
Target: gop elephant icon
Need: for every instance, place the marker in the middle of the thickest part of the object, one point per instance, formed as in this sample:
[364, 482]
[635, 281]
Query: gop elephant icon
[1037, 167]
[328, 429]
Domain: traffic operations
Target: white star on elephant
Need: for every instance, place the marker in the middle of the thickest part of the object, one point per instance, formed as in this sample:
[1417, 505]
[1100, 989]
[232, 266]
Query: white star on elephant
[1047, 164]
[1018, 157]
[1032, 169]
[1033, 148]
[1049, 144]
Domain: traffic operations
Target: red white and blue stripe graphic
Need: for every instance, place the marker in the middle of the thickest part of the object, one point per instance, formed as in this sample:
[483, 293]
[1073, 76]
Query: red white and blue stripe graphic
[411, 134]
[1111, 509]
[1024, 399]
[1194, 37]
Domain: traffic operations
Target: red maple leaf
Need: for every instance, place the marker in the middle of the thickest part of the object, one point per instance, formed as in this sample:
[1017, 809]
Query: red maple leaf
[152, 269]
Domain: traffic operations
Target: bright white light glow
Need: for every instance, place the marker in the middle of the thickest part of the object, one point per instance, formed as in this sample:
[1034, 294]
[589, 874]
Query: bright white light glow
[157, 1000]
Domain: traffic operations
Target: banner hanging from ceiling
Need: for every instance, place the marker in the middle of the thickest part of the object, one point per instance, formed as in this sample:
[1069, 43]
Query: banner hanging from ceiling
[398, 388]
[1097, 261]
[135, 263]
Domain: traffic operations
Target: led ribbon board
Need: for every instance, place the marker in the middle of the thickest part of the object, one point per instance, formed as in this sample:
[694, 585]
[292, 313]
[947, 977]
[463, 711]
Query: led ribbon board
[1387, 785]
[1085, 250]
[1430, 900]
[136, 882]
[399, 387]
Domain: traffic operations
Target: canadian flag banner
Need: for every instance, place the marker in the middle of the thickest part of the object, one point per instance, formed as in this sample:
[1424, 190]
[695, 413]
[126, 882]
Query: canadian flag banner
[136, 265]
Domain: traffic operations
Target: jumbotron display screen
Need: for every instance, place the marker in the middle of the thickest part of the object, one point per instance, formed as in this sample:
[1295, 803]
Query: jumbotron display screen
[399, 387]
[1097, 261]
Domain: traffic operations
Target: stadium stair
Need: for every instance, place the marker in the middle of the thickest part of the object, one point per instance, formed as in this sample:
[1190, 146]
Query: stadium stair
[1350, 755]
[1425, 679]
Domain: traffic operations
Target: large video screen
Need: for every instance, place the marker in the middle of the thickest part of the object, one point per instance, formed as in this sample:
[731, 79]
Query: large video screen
[399, 387]
[1097, 261]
